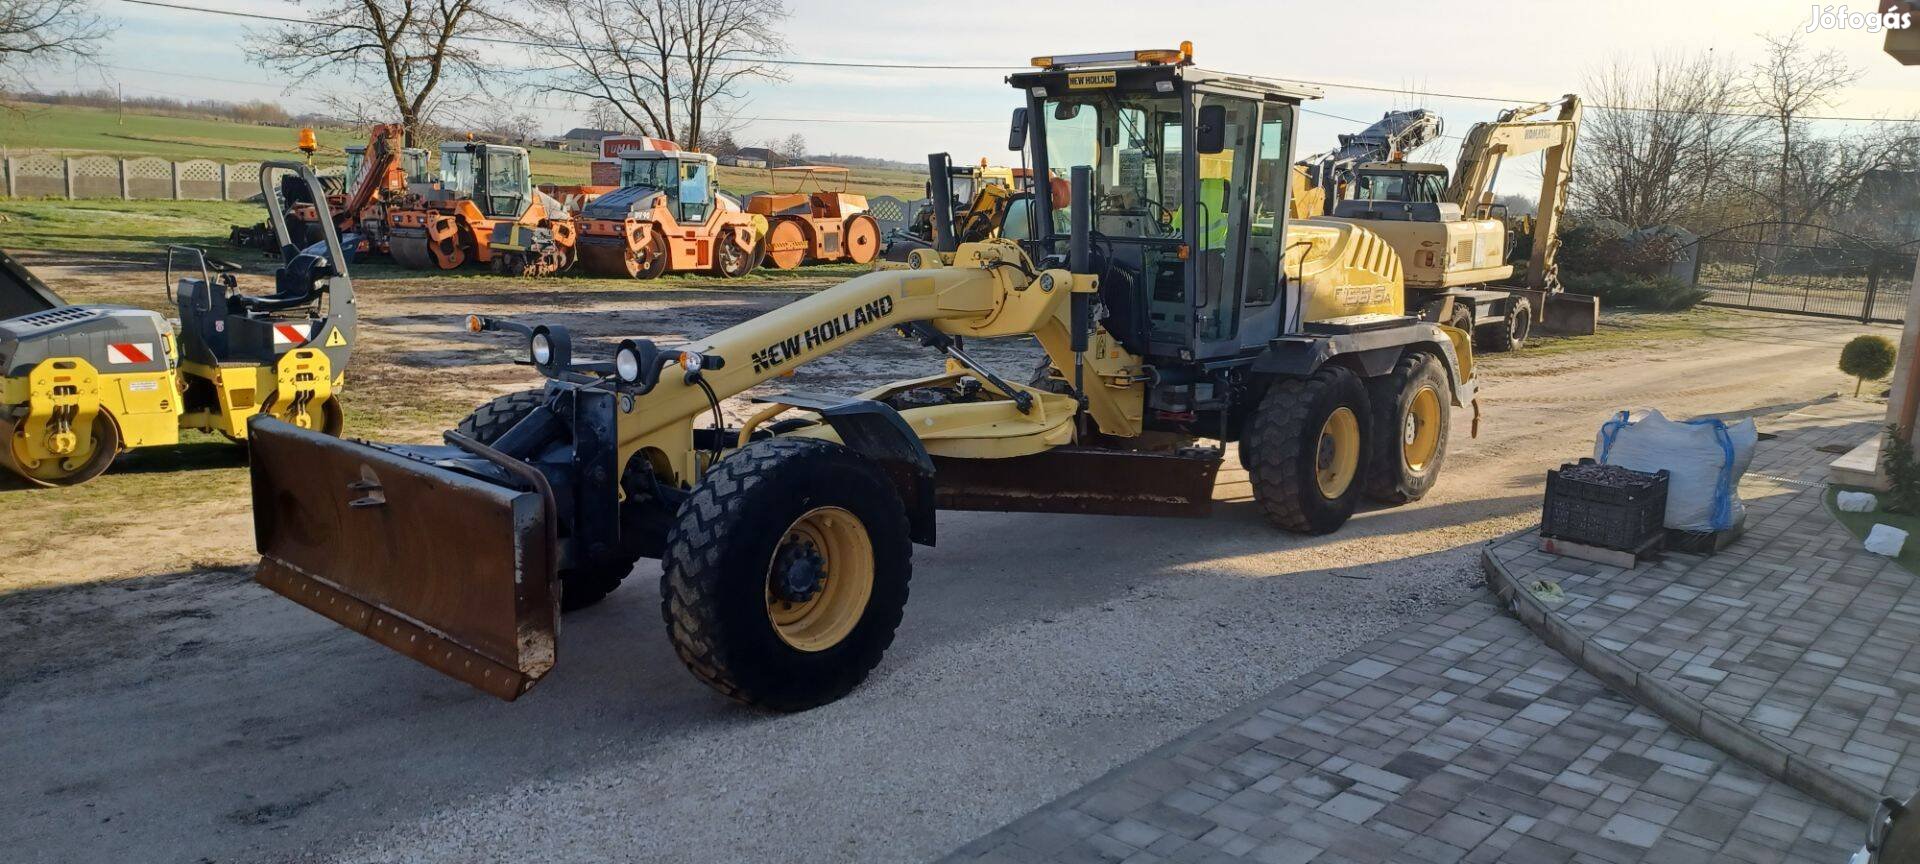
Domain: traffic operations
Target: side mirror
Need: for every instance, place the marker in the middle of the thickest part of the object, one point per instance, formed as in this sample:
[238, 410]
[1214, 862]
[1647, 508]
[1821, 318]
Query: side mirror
[1211, 133]
[1066, 110]
[1017, 132]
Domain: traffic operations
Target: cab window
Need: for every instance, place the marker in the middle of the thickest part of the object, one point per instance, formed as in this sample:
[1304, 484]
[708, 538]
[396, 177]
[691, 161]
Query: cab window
[508, 186]
[695, 199]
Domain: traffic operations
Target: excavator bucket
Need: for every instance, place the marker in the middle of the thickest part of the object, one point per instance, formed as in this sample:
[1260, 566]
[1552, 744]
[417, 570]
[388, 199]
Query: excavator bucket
[452, 570]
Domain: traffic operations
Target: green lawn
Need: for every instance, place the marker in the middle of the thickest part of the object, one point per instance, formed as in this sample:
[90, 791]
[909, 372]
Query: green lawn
[119, 226]
[74, 130]
[1861, 523]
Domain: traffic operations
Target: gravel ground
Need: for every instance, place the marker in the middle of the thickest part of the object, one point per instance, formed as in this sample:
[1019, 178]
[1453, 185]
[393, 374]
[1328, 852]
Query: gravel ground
[194, 717]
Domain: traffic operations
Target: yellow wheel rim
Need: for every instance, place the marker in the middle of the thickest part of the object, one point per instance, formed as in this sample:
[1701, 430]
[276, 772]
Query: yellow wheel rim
[1420, 429]
[1337, 457]
[820, 579]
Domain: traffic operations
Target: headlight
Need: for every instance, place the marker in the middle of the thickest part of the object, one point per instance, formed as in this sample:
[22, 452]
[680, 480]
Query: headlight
[626, 363]
[541, 348]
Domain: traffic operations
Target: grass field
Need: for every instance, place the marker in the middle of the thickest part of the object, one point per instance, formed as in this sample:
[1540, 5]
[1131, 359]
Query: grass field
[73, 130]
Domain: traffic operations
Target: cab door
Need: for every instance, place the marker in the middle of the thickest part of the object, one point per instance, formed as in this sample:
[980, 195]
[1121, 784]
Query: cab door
[1218, 212]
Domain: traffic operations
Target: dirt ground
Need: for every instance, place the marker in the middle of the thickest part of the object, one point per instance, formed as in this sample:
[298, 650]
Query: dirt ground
[160, 707]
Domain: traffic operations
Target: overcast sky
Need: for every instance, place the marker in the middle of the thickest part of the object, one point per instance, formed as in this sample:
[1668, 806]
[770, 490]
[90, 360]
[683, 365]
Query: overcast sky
[1512, 49]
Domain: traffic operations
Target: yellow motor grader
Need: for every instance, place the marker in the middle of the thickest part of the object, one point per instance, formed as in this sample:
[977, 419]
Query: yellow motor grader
[1179, 310]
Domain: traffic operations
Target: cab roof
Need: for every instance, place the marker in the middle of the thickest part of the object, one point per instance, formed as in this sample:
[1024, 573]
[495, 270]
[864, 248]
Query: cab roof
[1174, 64]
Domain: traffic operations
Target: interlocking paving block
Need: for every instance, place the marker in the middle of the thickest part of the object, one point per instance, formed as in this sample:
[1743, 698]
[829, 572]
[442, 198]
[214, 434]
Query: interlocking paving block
[1794, 632]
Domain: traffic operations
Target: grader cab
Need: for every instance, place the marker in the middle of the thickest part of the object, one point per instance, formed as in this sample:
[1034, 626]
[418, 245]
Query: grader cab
[1180, 313]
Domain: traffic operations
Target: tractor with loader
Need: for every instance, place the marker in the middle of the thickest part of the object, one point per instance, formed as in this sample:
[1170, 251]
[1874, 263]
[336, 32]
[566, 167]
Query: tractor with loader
[484, 209]
[818, 226]
[1179, 310]
[79, 385]
[979, 195]
[1457, 243]
[379, 174]
[666, 216]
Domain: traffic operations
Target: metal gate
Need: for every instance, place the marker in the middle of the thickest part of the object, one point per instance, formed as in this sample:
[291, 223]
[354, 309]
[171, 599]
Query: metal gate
[1805, 269]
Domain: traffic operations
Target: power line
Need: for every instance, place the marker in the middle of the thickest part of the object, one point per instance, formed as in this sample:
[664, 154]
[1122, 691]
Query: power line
[566, 46]
[792, 61]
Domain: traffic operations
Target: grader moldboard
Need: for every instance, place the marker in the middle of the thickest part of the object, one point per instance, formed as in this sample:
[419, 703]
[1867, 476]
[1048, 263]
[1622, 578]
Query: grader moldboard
[81, 384]
[786, 544]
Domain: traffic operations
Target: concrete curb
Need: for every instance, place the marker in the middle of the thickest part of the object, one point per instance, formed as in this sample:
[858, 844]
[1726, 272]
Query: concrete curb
[1683, 711]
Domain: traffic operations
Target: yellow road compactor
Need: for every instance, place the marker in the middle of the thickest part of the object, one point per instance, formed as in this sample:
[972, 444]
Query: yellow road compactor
[1180, 311]
[81, 384]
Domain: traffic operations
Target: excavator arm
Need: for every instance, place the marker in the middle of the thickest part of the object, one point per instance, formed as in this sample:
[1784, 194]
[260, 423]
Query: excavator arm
[1516, 133]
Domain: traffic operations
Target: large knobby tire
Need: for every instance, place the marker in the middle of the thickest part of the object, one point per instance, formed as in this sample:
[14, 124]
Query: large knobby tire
[770, 514]
[1512, 331]
[1308, 444]
[1410, 421]
[580, 587]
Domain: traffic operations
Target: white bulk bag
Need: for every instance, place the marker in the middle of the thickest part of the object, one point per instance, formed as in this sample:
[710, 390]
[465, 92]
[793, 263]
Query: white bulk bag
[1705, 459]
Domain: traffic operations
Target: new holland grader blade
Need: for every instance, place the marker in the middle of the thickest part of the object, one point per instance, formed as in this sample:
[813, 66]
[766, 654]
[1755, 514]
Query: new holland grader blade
[452, 570]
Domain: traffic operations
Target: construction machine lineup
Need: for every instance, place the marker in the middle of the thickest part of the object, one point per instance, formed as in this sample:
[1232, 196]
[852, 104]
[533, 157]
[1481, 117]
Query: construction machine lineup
[1191, 283]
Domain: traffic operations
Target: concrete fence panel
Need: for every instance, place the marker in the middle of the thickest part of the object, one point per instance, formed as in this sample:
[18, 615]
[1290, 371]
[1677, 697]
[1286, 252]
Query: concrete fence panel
[889, 211]
[148, 177]
[36, 177]
[93, 177]
[198, 180]
[243, 181]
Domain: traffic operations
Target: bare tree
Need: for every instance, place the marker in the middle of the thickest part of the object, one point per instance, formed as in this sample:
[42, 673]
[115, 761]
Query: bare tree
[1785, 86]
[39, 31]
[1661, 150]
[794, 148]
[417, 51]
[663, 65]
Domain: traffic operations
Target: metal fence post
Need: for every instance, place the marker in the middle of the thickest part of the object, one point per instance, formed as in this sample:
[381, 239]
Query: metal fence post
[174, 167]
[1873, 287]
[66, 170]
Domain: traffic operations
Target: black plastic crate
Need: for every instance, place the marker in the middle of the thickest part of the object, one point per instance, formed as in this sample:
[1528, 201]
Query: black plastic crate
[1605, 505]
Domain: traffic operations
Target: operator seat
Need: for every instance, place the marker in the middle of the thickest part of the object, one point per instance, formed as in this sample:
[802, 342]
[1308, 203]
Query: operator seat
[298, 283]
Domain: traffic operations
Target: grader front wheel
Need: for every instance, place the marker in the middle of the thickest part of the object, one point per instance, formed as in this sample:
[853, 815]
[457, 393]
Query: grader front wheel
[786, 573]
[92, 461]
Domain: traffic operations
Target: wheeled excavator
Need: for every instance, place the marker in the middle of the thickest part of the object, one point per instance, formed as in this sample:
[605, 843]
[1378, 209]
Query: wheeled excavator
[1180, 312]
[1326, 176]
[79, 385]
[1455, 240]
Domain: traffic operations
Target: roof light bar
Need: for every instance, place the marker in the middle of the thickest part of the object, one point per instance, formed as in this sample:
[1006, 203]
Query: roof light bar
[1150, 56]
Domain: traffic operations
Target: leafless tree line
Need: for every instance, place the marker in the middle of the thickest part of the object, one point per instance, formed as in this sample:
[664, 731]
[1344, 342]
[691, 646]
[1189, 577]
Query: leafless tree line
[1710, 143]
[667, 68]
[43, 32]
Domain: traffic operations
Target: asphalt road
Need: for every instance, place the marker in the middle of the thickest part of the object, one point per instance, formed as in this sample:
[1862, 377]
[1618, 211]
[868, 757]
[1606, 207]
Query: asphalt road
[196, 717]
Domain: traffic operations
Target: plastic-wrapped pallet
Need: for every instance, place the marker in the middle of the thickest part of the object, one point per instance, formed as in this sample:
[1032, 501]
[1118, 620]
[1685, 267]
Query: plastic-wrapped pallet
[1705, 459]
